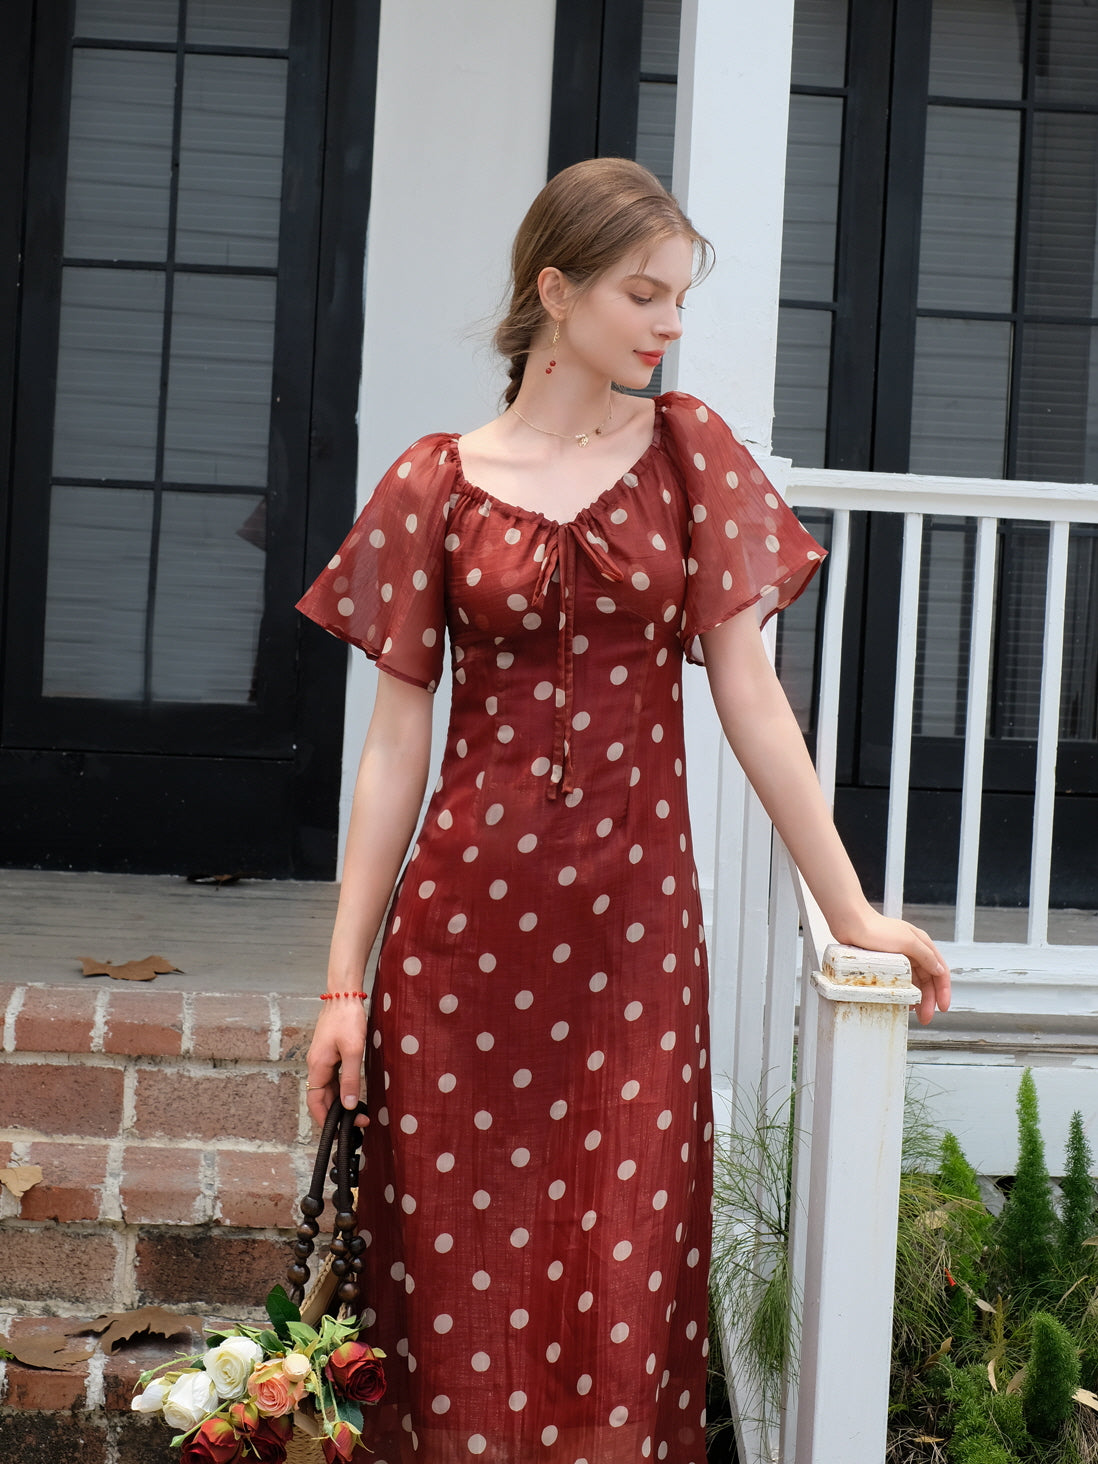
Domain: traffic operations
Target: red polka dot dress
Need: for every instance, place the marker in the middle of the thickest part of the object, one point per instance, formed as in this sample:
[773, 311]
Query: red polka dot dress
[537, 1188]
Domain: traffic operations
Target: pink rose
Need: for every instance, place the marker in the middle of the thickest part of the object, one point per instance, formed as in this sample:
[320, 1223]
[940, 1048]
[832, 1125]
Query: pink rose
[355, 1369]
[275, 1394]
[216, 1442]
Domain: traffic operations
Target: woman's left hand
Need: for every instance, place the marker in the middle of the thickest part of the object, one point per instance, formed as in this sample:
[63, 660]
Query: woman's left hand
[875, 932]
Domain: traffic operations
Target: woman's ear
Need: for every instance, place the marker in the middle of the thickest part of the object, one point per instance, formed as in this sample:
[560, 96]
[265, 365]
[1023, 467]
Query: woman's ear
[555, 292]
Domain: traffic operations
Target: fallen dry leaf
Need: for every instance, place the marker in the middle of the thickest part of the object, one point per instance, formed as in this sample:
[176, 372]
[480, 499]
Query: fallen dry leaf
[114, 1328]
[20, 1178]
[929, 1439]
[145, 970]
[1015, 1384]
[991, 1376]
[1086, 1398]
[53, 1350]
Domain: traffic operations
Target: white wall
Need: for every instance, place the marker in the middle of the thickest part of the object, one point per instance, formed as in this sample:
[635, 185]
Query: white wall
[460, 147]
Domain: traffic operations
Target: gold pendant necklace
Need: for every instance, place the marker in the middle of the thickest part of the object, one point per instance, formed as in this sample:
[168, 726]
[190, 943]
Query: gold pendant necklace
[582, 438]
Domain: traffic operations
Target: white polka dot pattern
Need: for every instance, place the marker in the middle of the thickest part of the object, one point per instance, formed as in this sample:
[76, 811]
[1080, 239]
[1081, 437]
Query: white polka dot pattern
[536, 1067]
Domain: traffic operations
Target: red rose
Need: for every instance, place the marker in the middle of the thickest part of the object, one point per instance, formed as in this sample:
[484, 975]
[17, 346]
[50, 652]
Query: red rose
[215, 1442]
[341, 1443]
[266, 1437]
[355, 1369]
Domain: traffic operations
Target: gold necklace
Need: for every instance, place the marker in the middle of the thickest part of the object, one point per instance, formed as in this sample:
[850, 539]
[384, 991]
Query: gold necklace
[582, 438]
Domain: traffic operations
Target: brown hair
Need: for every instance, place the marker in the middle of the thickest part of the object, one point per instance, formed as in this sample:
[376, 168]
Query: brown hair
[584, 221]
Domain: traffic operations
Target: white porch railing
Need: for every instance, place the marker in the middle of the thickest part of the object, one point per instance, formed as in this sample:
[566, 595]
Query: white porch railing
[852, 1017]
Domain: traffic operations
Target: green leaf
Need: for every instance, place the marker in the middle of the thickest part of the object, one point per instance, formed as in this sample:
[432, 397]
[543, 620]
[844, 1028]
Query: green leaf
[349, 1412]
[270, 1341]
[302, 1333]
[6, 1355]
[281, 1310]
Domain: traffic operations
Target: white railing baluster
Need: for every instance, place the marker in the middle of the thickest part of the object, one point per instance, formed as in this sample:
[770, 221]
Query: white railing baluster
[902, 715]
[724, 944]
[979, 666]
[1048, 733]
[781, 1006]
[831, 652]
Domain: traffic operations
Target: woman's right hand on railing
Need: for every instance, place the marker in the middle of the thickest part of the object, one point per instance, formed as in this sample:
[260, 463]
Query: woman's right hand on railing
[335, 1056]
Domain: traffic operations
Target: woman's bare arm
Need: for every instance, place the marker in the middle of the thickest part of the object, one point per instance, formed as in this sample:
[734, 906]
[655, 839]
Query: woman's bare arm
[763, 733]
[392, 776]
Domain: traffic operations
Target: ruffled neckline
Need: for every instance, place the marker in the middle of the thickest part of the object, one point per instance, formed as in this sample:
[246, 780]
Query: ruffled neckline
[597, 504]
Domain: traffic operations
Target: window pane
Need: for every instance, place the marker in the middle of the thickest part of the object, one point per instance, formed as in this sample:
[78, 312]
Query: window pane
[976, 48]
[108, 373]
[1019, 630]
[819, 43]
[239, 23]
[945, 612]
[230, 160]
[811, 197]
[1061, 258]
[660, 37]
[1079, 689]
[209, 597]
[120, 155]
[128, 20]
[656, 129]
[1058, 404]
[959, 399]
[219, 386]
[1067, 51]
[96, 591]
[970, 182]
[801, 389]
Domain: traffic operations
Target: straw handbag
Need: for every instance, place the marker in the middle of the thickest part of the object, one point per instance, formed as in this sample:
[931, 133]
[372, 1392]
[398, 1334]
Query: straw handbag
[334, 1290]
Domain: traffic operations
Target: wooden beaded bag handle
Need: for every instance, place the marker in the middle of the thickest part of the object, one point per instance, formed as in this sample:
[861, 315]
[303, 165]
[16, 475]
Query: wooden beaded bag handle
[335, 1288]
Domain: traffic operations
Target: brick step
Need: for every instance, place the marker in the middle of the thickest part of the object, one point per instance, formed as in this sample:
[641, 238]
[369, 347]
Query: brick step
[174, 1141]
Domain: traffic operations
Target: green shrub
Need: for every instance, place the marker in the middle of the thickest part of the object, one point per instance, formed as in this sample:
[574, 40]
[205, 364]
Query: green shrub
[1052, 1376]
[1077, 1217]
[1028, 1225]
[976, 1437]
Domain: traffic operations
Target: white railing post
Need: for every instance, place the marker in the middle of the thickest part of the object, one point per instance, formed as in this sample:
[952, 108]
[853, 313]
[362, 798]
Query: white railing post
[851, 1204]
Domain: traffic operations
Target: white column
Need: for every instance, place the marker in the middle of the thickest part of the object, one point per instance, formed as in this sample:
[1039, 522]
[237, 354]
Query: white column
[460, 145]
[730, 139]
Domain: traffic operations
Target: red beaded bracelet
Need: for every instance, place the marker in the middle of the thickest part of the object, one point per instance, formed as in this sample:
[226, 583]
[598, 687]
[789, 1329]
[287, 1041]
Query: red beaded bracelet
[333, 995]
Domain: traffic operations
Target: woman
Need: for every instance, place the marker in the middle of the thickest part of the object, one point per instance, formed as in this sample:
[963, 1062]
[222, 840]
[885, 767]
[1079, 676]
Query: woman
[538, 1160]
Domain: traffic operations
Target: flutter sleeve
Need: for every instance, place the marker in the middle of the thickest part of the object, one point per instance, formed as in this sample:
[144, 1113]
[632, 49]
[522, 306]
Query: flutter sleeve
[383, 590]
[746, 546]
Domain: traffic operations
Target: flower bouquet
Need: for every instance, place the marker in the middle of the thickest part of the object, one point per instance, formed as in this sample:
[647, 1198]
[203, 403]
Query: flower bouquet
[256, 1392]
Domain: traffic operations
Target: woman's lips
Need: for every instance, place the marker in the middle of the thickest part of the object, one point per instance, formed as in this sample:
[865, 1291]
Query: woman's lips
[650, 358]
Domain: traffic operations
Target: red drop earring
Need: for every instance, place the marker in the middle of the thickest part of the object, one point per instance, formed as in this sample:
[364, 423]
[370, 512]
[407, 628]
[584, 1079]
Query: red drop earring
[556, 338]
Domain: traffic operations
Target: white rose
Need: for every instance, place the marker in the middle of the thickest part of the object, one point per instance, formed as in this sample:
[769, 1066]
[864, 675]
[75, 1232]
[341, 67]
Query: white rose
[230, 1365]
[190, 1399]
[152, 1399]
[296, 1365]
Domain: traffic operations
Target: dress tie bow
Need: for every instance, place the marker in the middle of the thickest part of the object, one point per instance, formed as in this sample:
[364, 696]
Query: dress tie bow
[560, 559]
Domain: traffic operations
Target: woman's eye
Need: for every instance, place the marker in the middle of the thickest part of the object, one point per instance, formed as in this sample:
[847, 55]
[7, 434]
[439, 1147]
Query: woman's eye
[642, 299]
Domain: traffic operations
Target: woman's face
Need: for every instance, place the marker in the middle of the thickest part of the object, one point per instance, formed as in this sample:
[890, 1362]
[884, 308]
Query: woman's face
[622, 324]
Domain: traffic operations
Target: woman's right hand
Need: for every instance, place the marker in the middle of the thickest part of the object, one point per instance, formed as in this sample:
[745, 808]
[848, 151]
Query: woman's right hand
[335, 1058]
